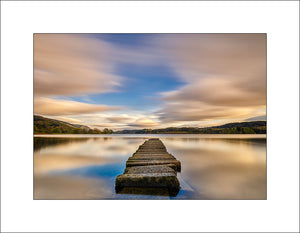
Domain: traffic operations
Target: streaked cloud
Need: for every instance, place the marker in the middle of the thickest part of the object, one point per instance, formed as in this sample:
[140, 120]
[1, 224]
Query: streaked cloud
[144, 123]
[257, 118]
[54, 107]
[72, 64]
[199, 111]
[118, 119]
[115, 120]
[105, 125]
[225, 75]
[69, 120]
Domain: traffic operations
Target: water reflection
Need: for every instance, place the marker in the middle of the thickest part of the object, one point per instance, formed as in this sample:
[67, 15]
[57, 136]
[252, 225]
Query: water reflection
[64, 187]
[42, 142]
[222, 168]
[213, 166]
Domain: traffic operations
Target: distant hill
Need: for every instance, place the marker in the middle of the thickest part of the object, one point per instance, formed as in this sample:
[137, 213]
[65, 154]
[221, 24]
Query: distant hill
[242, 124]
[43, 125]
[252, 127]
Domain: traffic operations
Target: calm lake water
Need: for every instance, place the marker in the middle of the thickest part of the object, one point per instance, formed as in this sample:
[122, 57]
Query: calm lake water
[212, 166]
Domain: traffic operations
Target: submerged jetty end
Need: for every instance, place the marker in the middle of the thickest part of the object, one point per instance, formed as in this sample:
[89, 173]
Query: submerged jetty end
[151, 166]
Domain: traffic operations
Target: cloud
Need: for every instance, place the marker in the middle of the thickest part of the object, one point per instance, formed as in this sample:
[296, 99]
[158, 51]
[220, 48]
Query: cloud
[257, 118]
[199, 111]
[55, 107]
[72, 64]
[218, 91]
[69, 120]
[118, 119]
[225, 76]
[104, 125]
[140, 123]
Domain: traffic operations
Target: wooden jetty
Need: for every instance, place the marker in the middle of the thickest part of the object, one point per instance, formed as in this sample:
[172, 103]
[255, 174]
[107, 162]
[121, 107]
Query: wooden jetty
[151, 166]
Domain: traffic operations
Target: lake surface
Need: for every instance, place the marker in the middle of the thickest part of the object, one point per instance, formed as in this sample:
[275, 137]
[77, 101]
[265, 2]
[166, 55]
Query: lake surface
[213, 167]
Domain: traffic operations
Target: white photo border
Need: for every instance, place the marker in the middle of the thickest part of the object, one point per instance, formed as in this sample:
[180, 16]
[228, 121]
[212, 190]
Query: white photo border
[19, 20]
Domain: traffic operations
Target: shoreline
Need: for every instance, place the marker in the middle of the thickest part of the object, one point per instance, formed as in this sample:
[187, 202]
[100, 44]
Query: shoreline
[237, 136]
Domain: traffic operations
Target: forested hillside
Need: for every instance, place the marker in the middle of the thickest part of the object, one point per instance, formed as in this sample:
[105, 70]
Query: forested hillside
[43, 125]
[253, 127]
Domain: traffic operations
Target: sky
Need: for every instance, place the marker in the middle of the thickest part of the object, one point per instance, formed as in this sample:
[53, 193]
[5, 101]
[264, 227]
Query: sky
[137, 81]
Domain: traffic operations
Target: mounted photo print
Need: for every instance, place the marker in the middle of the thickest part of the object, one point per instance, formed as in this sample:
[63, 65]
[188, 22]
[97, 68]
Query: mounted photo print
[150, 116]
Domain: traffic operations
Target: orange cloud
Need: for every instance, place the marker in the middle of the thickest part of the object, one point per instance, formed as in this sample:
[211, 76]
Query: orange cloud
[144, 122]
[54, 107]
[68, 64]
[225, 76]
